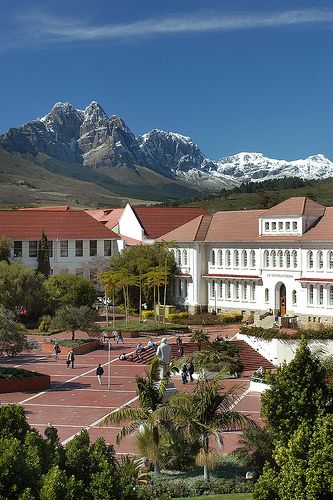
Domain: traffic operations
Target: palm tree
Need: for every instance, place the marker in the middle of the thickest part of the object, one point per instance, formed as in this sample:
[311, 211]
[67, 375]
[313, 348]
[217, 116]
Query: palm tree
[150, 391]
[256, 448]
[110, 280]
[155, 278]
[204, 414]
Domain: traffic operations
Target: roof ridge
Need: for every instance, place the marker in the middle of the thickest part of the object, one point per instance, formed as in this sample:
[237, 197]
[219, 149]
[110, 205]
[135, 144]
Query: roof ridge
[304, 205]
[203, 227]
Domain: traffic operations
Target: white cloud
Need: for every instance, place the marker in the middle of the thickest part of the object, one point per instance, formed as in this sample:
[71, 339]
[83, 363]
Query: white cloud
[34, 28]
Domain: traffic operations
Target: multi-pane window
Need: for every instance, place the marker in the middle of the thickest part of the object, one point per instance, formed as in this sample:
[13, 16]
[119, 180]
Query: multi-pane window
[287, 258]
[253, 258]
[93, 248]
[330, 260]
[178, 257]
[228, 258]
[280, 226]
[17, 248]
[236, 291]
[213, 257]
[32, 248]
[295, 226]
[78, 248]
[244, 258]
[107, 248]
[220, 258]
[213, 289]
[185, 257]
[310, 259]
[320, 260]
[273, 257]
[294, 256]
[266, 226]
[273, 226]
[266, 295]
[228, 291]
[50, 248]
[321, 295]
[331, 296]
[266, 258]
[253, 291]
[287, 226]
[63, 248]
[236, 258]
[280, 258]
[310, 295]
[294, 297]
[244, 291]
[220, 289]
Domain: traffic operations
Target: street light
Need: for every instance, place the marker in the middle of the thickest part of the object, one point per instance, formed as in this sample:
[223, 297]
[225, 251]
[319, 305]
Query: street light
[109, 363]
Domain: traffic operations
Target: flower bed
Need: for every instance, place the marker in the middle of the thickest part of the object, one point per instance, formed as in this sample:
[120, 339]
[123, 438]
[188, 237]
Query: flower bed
[19, 380]
[79, 346]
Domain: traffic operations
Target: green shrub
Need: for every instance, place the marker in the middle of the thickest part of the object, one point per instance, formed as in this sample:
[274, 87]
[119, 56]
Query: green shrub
[147, 314]
[273, 333]
[160, 488]
[45, 323]
[231, 318]
[7, 372]
[177, 316]
[73, 343]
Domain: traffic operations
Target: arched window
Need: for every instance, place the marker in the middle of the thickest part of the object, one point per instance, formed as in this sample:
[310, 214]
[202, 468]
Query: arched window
[228, 258]
[266, 258]
[331, 296]
[213, 257]
[236, 291]
[178, 258]
[244, 291]
[213, 288]
[321, 295]
[310, 259]
[287, 255]
[330, 259]
[294, 259]
[294, 297]
[236, 258]
[273, 258]
[244, 258]
[221, 289]
[220, 258]
[185, 257]
[310, 295]
[320, 260]
[253, 258]
[266, 295]
[228, 290]
[253, 291]
[280, 258]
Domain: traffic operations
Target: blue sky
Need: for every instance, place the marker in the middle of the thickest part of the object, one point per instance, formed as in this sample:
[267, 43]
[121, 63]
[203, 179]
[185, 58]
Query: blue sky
[236, 75]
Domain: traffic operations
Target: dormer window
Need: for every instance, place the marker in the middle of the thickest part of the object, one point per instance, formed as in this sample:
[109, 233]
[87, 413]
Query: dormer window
[273, 226]
[280, 226]
[266, 226]
[294, 226]
[287, 226]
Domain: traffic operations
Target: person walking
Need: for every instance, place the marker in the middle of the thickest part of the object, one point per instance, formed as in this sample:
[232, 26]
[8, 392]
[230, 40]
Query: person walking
[190, 370]
[57, 351]
[70, 358]
[139, 350]
[99, 373]
[181, 351]
[120, 337]
[184, 374]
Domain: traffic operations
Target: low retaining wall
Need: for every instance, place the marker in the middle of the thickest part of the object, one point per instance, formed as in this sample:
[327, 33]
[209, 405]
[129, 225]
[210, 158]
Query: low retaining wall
[81, 349]
[25, 384]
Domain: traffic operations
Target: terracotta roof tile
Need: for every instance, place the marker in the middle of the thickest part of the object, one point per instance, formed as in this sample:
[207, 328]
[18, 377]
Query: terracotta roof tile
[157, 221]
[323, 230]
[71, 224]
[55, 208]
[186, 233]
[295, 206]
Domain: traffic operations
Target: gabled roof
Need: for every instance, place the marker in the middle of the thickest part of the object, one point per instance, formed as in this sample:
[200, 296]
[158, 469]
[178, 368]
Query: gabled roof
[158, 221]
[55, 208]
[296, 206]
[323, 231]
[239, 225]
[71, 224]
[187, 232]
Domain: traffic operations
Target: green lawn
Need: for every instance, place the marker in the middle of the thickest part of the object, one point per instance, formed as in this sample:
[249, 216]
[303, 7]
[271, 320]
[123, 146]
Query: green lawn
[232, 496]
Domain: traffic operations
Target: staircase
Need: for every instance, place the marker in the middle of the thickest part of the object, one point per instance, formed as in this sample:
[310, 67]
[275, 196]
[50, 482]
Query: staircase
[148, 354]
[250, 358]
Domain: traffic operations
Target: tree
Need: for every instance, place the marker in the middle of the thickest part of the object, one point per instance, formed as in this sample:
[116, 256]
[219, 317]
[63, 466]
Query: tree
[205, 413]
[298, 393]
[12, 339]
[13, 422]
[43, 257]
[75, 318]
[5, 248]
[22, 289]
[110, 281]
[70, 290]
[256, 448]
[155, 278]
[56, 485]
[199, 337]
[151, 392]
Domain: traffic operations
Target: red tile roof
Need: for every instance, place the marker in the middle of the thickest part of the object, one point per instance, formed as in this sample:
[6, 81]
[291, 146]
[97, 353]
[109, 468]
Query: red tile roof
[296, 206]
[157, 221]
[29, 225]
[56, 208]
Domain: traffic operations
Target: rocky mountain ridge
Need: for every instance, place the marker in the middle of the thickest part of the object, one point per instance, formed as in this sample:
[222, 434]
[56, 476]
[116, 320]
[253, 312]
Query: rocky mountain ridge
[91, 138]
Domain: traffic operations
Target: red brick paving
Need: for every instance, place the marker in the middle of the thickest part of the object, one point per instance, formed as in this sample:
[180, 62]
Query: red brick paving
[75, 399]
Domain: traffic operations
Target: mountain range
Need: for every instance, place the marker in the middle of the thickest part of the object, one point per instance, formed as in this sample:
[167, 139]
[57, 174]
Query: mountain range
[105, 157]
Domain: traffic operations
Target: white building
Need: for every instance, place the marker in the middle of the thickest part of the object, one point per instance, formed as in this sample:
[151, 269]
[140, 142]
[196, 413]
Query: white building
[78, 244]
[277, 261]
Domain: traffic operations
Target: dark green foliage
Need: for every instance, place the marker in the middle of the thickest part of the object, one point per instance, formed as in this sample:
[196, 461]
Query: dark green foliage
[43, 257]
[70, 290]
[22, 289]
[5, 247]
[7, 372]
[323, 333]
[13, 422]
[256, 448]
[298, 393]
[174, 489]
[12, 339]
[75, 318]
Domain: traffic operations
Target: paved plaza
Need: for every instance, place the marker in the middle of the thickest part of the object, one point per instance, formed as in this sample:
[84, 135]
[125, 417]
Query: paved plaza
[76, 400]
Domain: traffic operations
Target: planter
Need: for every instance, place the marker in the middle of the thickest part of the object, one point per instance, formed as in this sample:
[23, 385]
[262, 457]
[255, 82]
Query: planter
[92, 345]
[25, 384]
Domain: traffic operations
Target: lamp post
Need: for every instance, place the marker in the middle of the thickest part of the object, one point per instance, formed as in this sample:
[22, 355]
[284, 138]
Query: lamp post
[106, 309]
[109, 363]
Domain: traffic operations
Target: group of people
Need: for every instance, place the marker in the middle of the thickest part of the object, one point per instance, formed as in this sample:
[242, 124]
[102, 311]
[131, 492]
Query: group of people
[116, 335]
[179, 342]
[219, 338]
[187, 371]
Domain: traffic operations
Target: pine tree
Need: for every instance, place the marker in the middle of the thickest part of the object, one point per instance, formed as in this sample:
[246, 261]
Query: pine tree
[43, 257]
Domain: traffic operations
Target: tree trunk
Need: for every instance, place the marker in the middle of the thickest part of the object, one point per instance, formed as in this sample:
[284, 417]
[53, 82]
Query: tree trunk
[140, 299]
[206, 450]
[165, 287]
[73, 334]
[156, 441]
[206, 473]
[155, 318]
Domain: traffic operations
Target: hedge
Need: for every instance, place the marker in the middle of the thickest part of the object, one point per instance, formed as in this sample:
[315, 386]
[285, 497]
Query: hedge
[174, 489]
[231, 318]
[73, 343]
[11, 373]
[273, 333]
